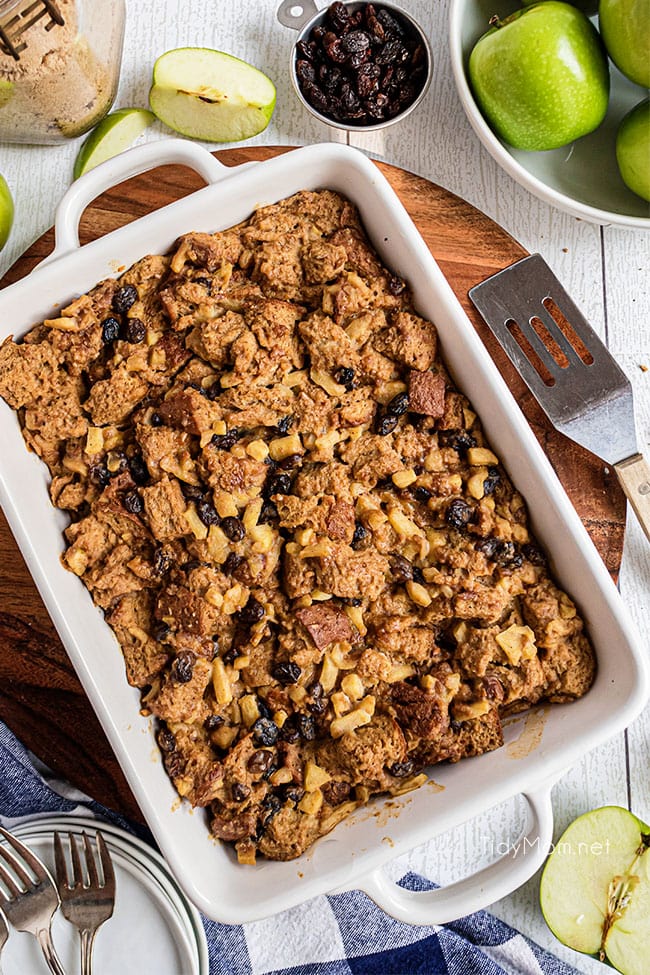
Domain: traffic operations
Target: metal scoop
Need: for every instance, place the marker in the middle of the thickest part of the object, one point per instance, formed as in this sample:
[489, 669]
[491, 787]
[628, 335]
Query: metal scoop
[573, 376]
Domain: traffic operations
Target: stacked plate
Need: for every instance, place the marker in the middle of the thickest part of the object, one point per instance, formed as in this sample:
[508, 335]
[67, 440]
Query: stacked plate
[154, 927]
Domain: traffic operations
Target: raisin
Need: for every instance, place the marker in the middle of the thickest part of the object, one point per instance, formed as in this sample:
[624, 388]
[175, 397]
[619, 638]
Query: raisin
[305, 71]
[390, 24]
[492, 481]
[233, 528]
[355, 42]
[289, 731]
[110, 330]
[396, 285]
[376, 29]
[287, 672]
[139, 470]
[224, 441]
[240, 791]
[271, 805]
[161, 631]
[133, 502]
[316, 98]
[166, 740]
[306, 726]
[291, 461]
[318, 706]
[401, 769]
[291, 793]
[124, 297]
[284, 424]
[260, 762]
[494, 690]
[368, 83]
[533, 554]
[421, 494]
[344, 375]
[232, 563]
[214, 391]
[268, 513]
[459, 440]
[135, 330]
[385, 424]
[212, 722]
[399, 405]
[360, 535]
[306, 50]
[100, 475]
[401, 568]
[265, 731]
[335, 792]
[349, 102]
[278, 484]
[338, 16]
[459, 513]
[418, 575]
[336, 52]
[391, 53]
[183, 667]
[252, 612]
[507, 555]
[207, 513]
[156, 420]
[488, 546]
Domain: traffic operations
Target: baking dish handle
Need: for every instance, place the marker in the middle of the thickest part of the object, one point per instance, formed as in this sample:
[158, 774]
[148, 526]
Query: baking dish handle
[473, 893]
[130, 163]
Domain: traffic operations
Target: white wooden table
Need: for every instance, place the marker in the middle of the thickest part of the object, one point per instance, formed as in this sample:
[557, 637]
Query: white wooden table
[607, 271]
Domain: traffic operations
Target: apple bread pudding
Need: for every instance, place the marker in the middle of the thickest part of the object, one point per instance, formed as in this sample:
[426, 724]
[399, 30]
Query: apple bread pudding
[319, 573]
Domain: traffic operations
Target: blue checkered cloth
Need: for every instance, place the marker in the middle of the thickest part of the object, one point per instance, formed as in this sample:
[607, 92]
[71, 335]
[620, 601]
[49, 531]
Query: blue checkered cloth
[341, 934]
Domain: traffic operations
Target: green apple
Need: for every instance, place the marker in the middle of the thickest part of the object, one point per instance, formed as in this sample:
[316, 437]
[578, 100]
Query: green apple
[541, 76]
[6, 212]
[625, 30]
[595, 888]
[113, 135]
[633, 149]
[588, 7]
[210, 95]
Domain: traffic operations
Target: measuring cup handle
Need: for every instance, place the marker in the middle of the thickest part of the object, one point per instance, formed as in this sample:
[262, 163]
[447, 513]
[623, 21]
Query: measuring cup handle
[121, 167]
[296, 13]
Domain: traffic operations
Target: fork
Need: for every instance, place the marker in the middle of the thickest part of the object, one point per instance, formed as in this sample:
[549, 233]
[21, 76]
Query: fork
[30, 903]
[4, 933]
[86, 906]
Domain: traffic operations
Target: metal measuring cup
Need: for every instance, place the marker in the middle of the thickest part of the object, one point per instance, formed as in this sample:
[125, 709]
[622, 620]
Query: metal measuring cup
[304, 15]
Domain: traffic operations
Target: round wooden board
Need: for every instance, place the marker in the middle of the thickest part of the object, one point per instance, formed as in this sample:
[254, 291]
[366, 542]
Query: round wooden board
[40, 696]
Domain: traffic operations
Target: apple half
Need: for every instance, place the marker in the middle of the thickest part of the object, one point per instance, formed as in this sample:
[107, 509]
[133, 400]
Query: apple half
[211, 96]
[595, 888]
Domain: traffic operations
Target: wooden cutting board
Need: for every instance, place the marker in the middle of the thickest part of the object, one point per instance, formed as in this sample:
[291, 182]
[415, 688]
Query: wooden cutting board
[40, 696]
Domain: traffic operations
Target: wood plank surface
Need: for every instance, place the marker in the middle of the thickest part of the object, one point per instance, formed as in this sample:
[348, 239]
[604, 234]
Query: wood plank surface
[40, 697]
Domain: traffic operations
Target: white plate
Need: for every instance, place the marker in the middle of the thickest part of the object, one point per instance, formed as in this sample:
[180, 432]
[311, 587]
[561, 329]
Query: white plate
[153, 928]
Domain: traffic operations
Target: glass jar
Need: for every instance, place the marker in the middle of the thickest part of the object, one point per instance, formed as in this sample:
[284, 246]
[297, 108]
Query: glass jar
[59, 66]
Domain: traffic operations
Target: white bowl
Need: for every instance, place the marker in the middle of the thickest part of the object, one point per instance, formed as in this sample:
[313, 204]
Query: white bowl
[581, 178]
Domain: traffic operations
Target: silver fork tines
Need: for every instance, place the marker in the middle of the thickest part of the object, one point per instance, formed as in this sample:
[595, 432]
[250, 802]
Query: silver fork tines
[86, 899]
[28, 896]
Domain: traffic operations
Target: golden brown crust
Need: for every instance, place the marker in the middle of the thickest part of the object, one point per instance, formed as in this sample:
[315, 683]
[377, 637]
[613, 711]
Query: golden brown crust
[321, 576]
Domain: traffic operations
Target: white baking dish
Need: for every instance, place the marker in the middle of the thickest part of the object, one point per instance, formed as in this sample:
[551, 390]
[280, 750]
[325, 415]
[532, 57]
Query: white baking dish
[352, 856]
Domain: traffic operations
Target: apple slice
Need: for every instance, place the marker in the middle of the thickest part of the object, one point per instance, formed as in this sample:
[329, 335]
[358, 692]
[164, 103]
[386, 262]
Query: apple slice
[6, 212]
[113, 135]
[209, 95]
[595, 889]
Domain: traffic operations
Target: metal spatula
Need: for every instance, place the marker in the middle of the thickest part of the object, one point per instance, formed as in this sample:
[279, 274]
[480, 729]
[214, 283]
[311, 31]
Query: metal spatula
[573, 376]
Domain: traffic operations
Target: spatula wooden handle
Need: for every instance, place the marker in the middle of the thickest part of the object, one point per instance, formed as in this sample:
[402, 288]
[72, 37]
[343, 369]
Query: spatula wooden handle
[634, 475]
